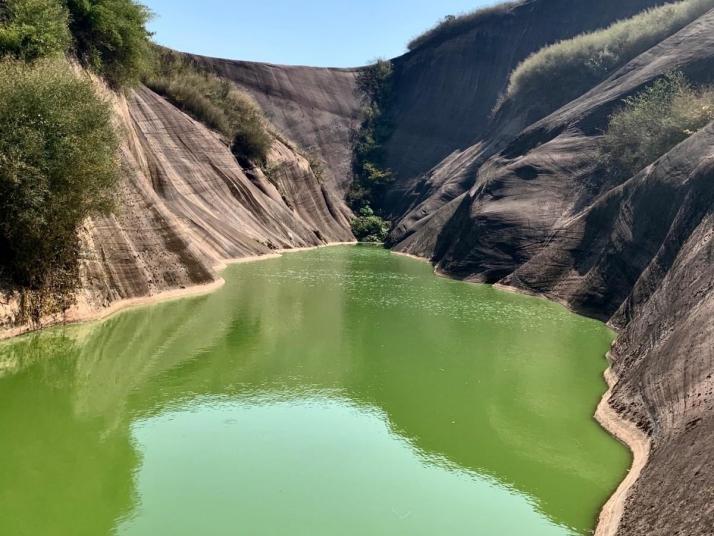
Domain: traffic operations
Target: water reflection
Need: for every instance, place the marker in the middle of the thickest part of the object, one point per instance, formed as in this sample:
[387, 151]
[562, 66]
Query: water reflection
[475, 381]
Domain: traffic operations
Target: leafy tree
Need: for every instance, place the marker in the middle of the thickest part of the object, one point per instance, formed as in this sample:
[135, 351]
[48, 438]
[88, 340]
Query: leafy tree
[111, 38]
[370, 176]
[368, 227]
[32, 29]
[57, 166]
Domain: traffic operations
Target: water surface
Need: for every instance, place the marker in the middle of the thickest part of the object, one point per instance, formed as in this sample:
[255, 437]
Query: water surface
[343, 391]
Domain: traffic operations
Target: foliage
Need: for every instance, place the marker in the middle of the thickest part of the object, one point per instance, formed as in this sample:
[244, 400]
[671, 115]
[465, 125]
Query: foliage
[559, 73]
[654, 121]
[370, 176]
[57, 166]
[451, 26]
[111, 38]
[214, 101]
[32, 29]
[368, 227]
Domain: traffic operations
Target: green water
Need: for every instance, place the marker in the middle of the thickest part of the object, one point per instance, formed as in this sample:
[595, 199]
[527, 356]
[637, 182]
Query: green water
[343, 391]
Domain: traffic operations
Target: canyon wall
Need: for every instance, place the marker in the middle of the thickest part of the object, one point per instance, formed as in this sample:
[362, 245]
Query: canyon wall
[533, 209]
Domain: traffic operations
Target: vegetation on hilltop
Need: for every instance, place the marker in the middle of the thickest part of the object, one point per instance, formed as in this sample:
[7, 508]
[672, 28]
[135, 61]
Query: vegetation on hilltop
[111, 38]
[214, 101]
[32, 29]
[557, 74]
[655, 120]
[453, 25]
[57, 166]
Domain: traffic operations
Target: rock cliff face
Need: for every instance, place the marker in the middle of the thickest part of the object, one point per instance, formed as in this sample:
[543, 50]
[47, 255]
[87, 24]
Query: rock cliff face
[531, 208]
[446, 89]
[186, 205]
[319, 109]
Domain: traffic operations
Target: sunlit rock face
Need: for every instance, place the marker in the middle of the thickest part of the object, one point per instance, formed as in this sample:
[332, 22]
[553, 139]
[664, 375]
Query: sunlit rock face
[186, 205]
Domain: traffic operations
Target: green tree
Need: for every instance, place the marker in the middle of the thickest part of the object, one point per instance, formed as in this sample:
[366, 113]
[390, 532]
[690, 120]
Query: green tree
[57, 167]
[111, 38]
[32, 29]
[368, 227]
[374, 83]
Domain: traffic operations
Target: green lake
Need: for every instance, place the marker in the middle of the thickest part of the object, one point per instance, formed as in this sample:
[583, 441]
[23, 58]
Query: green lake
[344, 391]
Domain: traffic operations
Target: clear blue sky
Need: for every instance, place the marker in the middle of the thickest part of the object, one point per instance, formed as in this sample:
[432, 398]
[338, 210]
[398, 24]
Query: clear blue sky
[337, 33]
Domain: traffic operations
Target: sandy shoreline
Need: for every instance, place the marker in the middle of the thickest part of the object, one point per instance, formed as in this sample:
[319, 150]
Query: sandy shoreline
[85, 313]
[633, 438]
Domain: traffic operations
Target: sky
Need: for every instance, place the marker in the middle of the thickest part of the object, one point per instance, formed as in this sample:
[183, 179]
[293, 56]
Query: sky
[326, 33]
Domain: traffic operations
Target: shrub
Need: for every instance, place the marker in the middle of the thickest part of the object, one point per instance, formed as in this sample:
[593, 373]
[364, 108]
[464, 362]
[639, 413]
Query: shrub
[559, 73]
[451, 26]
[213, 101]
[32, 29]
[111, 38]
[654, 121]
[57, 166]
[374, 84]
[368, 227]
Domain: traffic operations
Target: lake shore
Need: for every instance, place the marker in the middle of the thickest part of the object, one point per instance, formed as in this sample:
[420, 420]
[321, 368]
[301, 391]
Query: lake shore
[623, 430]
[84, 312]
[620, 428]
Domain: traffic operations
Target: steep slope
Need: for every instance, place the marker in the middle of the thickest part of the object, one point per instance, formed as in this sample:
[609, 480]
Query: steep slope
[185, 206]
[319, 109]
[539, 214]
[447, 88]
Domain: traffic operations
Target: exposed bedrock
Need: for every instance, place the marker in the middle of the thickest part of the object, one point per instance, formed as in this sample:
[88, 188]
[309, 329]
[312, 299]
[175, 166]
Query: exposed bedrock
[540, 214]
[317, 108]
[186, 205]
[447, 89]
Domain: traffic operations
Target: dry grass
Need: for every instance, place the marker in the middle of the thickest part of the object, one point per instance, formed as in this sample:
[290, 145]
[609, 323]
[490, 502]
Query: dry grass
[559, 73]
[654, 121]
[215, 102]
[453, 25]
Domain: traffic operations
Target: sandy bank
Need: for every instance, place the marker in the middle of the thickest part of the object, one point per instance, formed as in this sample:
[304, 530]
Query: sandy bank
[637, 441]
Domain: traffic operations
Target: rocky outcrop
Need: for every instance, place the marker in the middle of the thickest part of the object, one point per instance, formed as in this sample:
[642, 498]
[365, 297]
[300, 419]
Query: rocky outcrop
[317, 108]
[510, 198]
[447, 89]
[534, 210]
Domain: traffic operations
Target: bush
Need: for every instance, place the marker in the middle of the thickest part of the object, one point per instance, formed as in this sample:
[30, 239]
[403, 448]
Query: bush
[368, 227]
[57, 166]
[559, 73]
[374, 84]
[654, 121]
[111, 38]
[452, 26]
[215, 102]
[32, 29]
